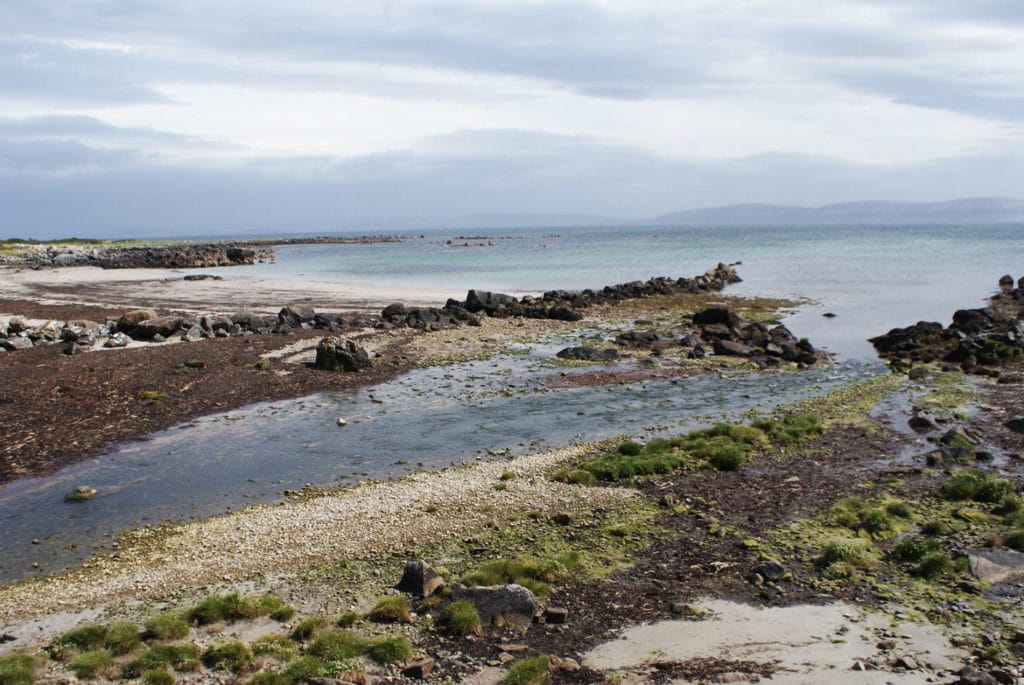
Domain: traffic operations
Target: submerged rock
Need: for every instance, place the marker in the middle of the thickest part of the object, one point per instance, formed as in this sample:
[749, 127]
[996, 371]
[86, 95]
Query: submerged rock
[588, 354]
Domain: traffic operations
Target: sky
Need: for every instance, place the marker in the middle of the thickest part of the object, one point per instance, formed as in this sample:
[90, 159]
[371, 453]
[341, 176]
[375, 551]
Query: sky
[155, 117]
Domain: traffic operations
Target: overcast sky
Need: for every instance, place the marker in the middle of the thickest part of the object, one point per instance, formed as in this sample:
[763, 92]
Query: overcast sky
[185, 117]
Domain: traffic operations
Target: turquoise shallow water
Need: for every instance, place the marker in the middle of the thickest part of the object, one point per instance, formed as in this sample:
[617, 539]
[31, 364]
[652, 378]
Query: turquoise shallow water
[873, 278]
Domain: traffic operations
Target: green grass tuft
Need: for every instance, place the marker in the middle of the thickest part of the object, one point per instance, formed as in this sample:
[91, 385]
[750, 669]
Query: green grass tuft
[533, 670]
[388, 650]
[232, 607]
[17, 669]
[274, 644]
[88, 665]
[169, 625]
[933, 565]
[157, 678]
[394, 609]
[975, 486]
[122, 638]
[282, 614]
[308, 627]
[337, 645]
[181, 656]
[229, 656]
[270, 678]
[86, 638]
[304, 668]
[461, 618]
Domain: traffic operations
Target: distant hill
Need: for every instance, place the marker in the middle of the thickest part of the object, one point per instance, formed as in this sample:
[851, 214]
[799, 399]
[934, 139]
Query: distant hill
[979, 210]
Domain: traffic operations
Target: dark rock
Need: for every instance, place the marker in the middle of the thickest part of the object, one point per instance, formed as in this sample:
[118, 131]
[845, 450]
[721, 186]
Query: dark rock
[335, 354]
[829, 315]
[419, 578]
[923, 422]
[732, 349]
[716, 315]
[241, 255]
[589, 354]
[418, 669]
[1006, 282]
[203, 277]
[972, 320]
[295, 314]
[72, 349]
[500, 604]
[561, 313]
[1016, 425]
[556, 615]
[972, 676]
[770, 570]
[491, 303]
[918, 373]
[396, 310]
[638, 338]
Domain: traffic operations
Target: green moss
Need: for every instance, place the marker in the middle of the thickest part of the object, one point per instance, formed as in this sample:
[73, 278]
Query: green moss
[169, 625]
[153, 396]
[263, 365]
[17, 669]
[231, 656]
[388, 650]
[856, 553]
[533, 670]
[88, 665]
[395, 609]
[507, 475]
[461, 618]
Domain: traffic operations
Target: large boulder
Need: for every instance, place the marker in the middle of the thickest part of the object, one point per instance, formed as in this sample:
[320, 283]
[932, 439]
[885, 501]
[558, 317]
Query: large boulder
[500, 605]
[731, 348]
[164, 326]
[492, 303]
[335, 354]
[15, 343]
[716, 315]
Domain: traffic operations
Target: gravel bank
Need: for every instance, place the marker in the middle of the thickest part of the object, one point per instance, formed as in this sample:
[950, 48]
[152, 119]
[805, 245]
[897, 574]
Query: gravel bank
[365, 521]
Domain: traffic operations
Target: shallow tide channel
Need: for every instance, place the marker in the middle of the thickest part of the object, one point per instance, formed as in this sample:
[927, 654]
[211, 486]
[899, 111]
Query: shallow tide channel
[429, 418]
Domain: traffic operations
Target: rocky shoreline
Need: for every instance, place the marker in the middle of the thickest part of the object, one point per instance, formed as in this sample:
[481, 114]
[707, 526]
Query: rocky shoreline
[834, 510]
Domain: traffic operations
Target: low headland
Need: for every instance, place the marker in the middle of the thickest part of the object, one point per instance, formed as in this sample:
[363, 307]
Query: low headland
[875, 534]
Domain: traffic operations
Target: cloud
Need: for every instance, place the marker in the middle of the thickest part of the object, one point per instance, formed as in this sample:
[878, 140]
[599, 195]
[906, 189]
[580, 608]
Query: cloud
[463, 173]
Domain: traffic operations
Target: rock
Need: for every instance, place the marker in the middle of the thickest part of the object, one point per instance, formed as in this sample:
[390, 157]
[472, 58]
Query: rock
[770, 570]
[341, 421]
[419, 578]
[241, 255]
[418, 669]
[116, 340]
[1006, 282]
[556, 615]
[202, 277]
[164, 326]
[1003, 677]
[295, 314]
[716, 315]
[72, 349]
[590, 354]
[736, 677]
[133, 318]
[972, 676]
[80, 494]
[918, 373]
[638, 338]
[557, 663]
[335, 354]
[829, 315]
[500, 604]
[395, 310]
[1016, 425]
[996, 565]
[923, 422]
[16, 325]
[15, 343]
[491, 303]
[907, 662]
[192, 334]
[732, 348]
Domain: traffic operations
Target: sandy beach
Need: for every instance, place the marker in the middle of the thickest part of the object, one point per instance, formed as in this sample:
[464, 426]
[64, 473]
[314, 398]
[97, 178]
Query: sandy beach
[166, 289]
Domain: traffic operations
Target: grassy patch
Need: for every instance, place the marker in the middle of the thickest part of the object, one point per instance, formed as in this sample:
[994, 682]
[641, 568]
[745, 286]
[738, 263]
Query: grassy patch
[533, 670]
[157, 678]
[86, 638]
[274, 644]
[229, 656]
[337, 645]
[388, 650]
[169, 625]
[17, 669]
[975, 486]
[395, 609]
[304, 668]
[531, 572]
[232, 607]
[153, 396]
[91, 664]
[180, 656]
[461, 618]
[307, 628]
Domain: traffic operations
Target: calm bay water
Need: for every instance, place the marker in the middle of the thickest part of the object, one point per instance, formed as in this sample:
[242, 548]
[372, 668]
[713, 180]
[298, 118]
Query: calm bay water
[872, 278]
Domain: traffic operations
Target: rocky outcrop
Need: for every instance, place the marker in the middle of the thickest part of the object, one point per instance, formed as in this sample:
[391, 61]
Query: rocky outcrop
[500, 605]
[977, 340]
[335, 354]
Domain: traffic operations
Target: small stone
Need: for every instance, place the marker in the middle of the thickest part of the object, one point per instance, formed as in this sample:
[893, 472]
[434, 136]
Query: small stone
[341, 421]
[513, 648]
[858, 666]
[908, 663]
[886, 645]
[556, 615]
[418, 669]
[80, 494]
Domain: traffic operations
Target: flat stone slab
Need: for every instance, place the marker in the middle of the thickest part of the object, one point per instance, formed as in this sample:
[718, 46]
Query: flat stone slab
[996, 565]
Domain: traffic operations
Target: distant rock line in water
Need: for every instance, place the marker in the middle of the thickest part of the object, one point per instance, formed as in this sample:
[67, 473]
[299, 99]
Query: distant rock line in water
[176, 256]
